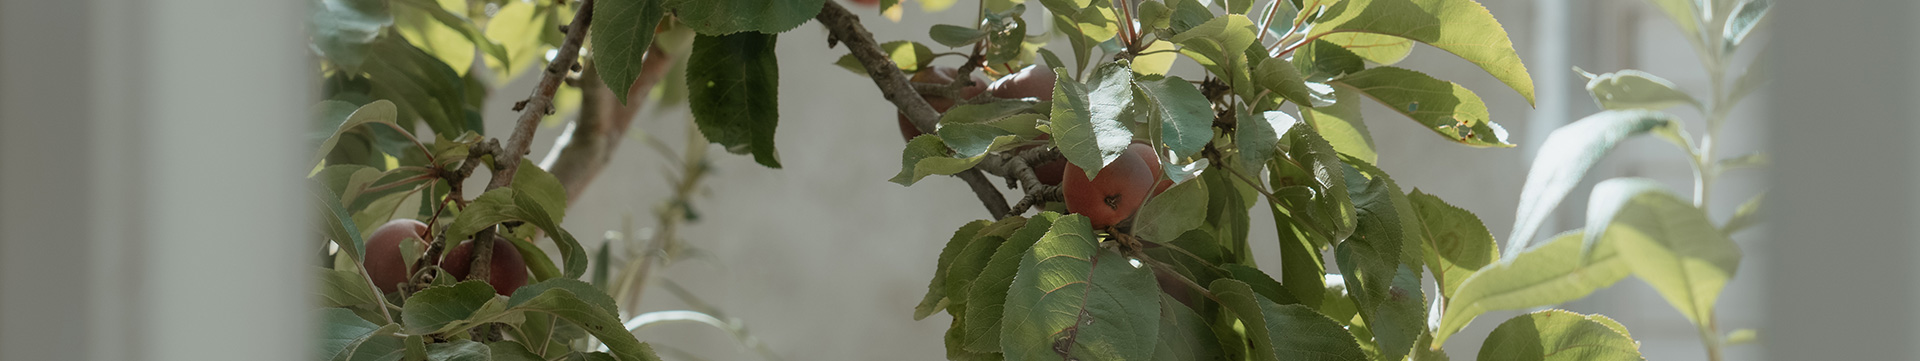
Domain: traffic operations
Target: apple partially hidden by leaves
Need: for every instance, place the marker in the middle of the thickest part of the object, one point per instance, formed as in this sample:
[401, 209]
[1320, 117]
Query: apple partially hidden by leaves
[1033, 81]
[939, 75]
[1116, 191]
[383, 260]
[509, 272]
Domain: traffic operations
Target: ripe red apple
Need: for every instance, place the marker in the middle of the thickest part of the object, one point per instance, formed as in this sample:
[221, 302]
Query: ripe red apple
[1160, 182]
[1116, 191]
[939, 75]
[509, 272]
[383, 262]
[1032, 81]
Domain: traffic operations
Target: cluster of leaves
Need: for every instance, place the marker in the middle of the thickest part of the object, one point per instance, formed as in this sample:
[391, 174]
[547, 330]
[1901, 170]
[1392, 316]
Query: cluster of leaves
[1179, 282]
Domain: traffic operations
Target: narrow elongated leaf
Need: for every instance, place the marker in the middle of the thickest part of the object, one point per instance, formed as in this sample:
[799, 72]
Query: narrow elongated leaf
[733, 86]
[1467, 31]
[1568, 153]
[1667, 242]
[1545, 275]
[1185, 117]
[987, 297]
[1072, 299]
[1559, 335]
[1087, 141]
[1457, 243]
[1289, 332]
[722, 17]
[1744, 19]
[622, 32]
[1634, 89]
[1443, 107]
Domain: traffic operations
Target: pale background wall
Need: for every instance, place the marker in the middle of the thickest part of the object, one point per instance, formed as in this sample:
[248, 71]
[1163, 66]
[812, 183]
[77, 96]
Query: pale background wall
[825, 259]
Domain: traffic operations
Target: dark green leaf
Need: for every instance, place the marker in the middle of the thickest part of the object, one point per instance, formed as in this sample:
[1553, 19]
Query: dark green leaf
[343, 29]
[344, 288]
[1087, 140]
[1184, 334]
[973, 259]
[1185, 117]
[1444, 107]
[346, 337]
[420, 85]
[379, 111]
[1177, 210]
[511, 351]
[622, 32]
[1286, 332]
[459, 350]
[1322, 60]
[733, 83]
[1559, 335]
[1545, 275]
[337, 225]
[1260, 282]
[1220, 45]
[955, 36]
[1187, 14]
[722, 17]
[604, 326]
[936, 298]
[432, 309]
[585, 292]
[1457, 243]
[1283, 78]
[1567, 154]
[1258, 136]
[987, 297]
[1073, 299]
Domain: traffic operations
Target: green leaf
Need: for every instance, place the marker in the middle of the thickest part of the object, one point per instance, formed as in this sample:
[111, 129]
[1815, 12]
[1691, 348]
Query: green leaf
[511, 351]
[1185, 117]
[421, 86]
[1382, 260]
[337, 225]
[1184, 334]
[1457, 243]
[1301, 265]
[1260, 282]
[1666, 241]
[1007, 35]
[929, 155]
[1283, 78]
[1559, 335]
[909, 56]
[955, 36]
[1258, 136]
[1085, 23]
[1548, 274]
[1165, 217]
[1340, 123]
[342, 30]
[972, 260]
[603, 326]
[1323, 60]
[583, 291]
[1742, 336]
[1461, 27]
[1187, 14]
[622, 32]
[1744, 19]
[722, 17]
[1746, 216]
[1634, 89]
[379, 111]
[1286, 332]
[987, 297]
[936, 298]
[733, 86]
[1443, 107]
[344, 288]
[541, 266]
[1378, 48]
[346, 337]
[1220, 45]
[506, 204]
[459, 350]
[1072, 299]
[433, 309]
[1568, 153]
[1088, 139]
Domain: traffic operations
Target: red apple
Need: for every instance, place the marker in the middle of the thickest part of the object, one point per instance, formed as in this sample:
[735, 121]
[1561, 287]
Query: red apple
[383, 262]
[1033, 81]
[509, 272]
[1160, 182]
[1116, 191]
[939, 75]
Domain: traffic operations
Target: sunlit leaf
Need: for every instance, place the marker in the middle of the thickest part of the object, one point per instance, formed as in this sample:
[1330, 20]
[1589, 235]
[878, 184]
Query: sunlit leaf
[1457, 243]
[1461, 27]
[1567, 154]
[1634, 89]
[1559, 335]
[1665, 240]
[1441, 106]
[1548, 274]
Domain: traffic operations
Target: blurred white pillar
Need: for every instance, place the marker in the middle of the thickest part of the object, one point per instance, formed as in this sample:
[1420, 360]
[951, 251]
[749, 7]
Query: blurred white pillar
[151, 204]
[1844, 206]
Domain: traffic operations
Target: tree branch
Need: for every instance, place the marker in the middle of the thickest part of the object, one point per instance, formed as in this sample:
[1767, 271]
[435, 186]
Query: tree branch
[536, 106]
[589, 142]
[844, 27]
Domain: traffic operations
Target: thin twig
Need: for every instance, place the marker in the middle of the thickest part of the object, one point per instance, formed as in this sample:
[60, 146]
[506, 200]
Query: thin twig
[537, 106]
[589, 143]
[844, 27]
